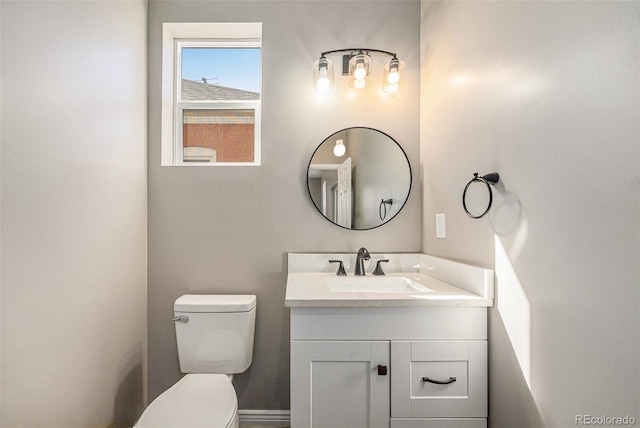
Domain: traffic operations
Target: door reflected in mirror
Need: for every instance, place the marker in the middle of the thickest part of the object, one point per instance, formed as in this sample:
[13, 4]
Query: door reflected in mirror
[359, 178]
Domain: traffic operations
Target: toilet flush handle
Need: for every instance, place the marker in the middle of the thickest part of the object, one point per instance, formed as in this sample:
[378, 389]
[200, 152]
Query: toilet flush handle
[181, 318]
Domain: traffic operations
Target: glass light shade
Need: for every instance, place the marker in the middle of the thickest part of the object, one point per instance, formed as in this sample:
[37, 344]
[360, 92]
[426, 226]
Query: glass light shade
[359, 66]
[339, 149]
[323, 75]
[393, 76]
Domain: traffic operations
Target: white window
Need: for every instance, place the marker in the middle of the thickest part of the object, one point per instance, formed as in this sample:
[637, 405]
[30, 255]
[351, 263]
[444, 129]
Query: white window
[211, 94]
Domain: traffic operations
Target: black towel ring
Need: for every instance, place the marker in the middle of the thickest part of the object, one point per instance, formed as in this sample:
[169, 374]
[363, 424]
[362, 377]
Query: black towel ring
[382, 209]
[489, 180]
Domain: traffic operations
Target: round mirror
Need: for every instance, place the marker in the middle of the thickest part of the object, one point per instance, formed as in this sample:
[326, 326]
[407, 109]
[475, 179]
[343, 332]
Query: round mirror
[359, 178]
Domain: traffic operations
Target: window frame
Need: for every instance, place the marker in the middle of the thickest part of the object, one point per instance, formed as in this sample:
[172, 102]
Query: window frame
[216, 35]
[181, 104]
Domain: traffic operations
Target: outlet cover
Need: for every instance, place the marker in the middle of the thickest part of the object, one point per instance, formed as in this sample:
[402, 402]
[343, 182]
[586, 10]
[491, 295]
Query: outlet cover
[441, 230]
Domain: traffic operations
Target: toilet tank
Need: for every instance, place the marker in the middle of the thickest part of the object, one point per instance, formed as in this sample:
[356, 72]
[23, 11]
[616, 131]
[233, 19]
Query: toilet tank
[215, 332]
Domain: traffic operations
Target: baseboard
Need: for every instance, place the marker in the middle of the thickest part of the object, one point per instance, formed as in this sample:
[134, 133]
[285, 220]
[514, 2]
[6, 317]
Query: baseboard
[265, 417]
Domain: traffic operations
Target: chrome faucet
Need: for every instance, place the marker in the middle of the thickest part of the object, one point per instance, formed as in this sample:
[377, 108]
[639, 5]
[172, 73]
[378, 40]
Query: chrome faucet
[363, 254]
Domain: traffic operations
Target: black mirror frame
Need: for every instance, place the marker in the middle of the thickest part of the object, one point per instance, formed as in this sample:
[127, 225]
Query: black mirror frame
[401, 150]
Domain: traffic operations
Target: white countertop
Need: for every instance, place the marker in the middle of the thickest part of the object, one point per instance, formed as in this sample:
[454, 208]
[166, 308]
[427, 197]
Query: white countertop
[311, 290]
[449, 283]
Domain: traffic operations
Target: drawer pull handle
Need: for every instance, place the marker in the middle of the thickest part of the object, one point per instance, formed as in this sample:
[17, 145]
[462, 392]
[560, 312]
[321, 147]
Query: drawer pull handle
[439, 382]
[382, 370]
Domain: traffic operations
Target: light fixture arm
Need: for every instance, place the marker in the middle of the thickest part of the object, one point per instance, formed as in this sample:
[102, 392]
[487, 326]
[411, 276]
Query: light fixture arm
[391, 54]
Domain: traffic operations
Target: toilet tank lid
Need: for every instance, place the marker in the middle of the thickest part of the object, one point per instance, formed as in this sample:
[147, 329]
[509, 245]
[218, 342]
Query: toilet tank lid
[215, 303]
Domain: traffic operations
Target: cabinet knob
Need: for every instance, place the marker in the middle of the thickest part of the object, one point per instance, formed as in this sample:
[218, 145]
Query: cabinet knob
[382, 370]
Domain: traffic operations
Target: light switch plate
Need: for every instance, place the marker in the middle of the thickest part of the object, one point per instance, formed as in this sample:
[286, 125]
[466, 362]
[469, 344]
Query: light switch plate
[441, 230]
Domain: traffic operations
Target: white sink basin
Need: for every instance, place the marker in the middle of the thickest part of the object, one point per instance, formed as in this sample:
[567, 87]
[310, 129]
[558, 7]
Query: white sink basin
[374, 284]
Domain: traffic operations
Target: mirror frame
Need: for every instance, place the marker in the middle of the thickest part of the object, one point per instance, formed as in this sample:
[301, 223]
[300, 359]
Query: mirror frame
[383, 222]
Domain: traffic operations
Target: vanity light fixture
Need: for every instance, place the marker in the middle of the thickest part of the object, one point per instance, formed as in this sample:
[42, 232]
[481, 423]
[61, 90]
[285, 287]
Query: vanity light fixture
[356, 65]
[339, 149]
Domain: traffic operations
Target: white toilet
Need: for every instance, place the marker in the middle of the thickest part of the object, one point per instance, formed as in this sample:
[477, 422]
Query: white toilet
[215, 340]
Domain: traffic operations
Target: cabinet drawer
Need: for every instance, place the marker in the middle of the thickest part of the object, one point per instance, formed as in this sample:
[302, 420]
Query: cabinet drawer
[439, 379]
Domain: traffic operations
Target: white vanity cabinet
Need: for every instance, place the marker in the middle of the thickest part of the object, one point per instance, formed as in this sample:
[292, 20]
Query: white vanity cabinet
[404, 350]
[367, 367]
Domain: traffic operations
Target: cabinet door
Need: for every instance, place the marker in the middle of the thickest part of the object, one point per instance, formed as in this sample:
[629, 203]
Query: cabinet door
[339, 384]
[433, 379]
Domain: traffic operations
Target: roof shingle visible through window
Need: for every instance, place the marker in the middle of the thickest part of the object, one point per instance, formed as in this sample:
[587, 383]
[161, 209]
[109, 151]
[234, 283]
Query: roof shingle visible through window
[192, 90]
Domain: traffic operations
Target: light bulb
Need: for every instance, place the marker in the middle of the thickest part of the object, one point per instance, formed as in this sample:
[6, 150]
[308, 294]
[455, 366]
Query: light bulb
[323, 75]
[360, 72]
[323, 84]
[393, 77]
[394, 71]
[339, 149]
[359, 66]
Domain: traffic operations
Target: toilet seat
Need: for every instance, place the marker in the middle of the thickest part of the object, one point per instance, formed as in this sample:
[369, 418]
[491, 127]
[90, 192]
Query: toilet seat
[196, 400]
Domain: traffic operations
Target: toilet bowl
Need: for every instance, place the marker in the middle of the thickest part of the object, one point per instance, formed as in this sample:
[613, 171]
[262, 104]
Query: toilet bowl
[215, 341]
[196, 400]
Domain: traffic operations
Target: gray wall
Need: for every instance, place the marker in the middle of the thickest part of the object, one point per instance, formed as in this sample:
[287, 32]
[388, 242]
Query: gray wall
[545, 93]
[227, 230]
[0, 212]
[73, 213]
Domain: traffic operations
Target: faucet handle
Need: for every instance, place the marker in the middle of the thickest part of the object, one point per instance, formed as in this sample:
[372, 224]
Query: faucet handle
[378, 270]
[341, 271]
